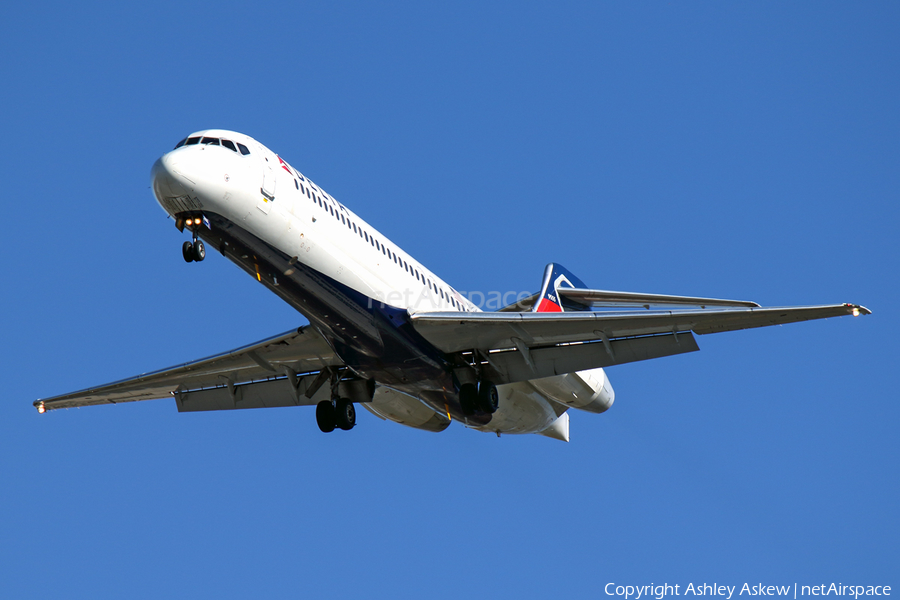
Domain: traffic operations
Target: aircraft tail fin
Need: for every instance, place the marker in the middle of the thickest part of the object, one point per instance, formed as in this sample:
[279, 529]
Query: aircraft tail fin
[557, 276]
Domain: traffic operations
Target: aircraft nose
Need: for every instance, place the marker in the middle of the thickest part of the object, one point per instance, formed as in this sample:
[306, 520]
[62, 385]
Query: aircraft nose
[167, 180]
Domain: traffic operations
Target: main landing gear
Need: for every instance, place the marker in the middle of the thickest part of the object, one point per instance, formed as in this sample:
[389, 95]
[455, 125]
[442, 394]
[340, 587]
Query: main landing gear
[337, 413]
[482, 397]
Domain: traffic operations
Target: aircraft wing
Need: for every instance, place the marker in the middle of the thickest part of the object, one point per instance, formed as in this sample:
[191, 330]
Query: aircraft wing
[526, 345]
[277, 371]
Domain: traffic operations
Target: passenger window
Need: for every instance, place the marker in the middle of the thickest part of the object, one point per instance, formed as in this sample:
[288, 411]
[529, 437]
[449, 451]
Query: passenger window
[229, 144]
[296, 185]
[180, 144]
[207, 141]
[192, 141]
[244, 149]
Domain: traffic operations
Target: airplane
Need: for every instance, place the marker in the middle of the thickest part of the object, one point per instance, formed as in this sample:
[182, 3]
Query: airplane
[384, 331]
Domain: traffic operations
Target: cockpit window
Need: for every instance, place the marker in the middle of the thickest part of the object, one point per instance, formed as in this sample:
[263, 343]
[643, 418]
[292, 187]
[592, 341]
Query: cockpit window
[180, 144]
[244, 149]
[192, 141]
[229, 144]
[210, 141]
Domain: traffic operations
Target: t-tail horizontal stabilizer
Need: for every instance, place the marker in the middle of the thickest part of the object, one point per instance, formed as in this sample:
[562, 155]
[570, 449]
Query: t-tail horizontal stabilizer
[562, 291]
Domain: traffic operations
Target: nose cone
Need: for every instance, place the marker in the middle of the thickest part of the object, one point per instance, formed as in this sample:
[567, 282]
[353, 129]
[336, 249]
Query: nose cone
[168, 182]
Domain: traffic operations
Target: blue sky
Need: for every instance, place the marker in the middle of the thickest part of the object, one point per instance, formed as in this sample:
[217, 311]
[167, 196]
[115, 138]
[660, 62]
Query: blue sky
[743, 150]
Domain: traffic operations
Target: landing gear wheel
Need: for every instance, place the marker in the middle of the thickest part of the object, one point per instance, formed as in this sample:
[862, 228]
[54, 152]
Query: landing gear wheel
[187, 251]
[468, 398]
[325, 416]
[488, 399]
[199, 251]
[344, 414]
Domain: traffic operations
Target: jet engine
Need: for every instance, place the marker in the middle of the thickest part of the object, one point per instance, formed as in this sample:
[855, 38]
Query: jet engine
[406, 410]
[588, 390]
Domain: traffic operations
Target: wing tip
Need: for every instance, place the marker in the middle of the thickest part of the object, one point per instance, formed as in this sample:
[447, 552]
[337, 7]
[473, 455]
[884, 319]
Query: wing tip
[858, 309]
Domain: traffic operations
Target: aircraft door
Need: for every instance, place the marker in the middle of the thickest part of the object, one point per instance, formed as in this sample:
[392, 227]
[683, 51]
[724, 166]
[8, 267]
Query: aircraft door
[268, 175]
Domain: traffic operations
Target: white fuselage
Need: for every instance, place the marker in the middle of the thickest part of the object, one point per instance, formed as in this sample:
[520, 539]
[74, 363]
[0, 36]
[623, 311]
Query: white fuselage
[303, 220]
[262, 194]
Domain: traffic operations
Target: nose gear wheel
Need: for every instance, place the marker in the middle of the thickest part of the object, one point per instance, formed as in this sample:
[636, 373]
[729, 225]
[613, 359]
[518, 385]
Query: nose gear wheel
[193, 251]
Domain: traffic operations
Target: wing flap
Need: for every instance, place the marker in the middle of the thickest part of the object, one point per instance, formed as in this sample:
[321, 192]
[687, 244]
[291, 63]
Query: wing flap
[263, 394]
[512, 365]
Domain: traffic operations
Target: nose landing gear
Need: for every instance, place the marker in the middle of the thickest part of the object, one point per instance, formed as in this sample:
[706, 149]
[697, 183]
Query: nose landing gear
[193, 251]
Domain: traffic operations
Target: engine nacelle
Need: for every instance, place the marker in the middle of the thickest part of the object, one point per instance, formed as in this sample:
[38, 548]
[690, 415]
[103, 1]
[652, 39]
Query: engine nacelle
[588, 390]
[406, 410]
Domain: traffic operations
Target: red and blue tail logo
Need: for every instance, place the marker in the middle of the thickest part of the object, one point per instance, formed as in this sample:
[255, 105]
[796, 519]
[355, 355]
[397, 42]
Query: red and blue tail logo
[555, 277]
